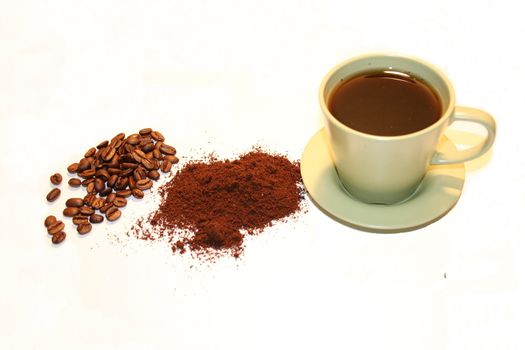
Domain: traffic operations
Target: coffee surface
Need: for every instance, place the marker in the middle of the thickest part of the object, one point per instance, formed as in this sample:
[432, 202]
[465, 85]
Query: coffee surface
[385, 103]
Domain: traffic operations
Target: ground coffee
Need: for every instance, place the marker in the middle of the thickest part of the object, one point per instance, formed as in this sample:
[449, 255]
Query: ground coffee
[209, 206]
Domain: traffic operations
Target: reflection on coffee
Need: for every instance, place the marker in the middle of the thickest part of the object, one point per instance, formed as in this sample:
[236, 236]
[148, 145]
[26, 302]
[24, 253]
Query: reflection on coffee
[385, 103]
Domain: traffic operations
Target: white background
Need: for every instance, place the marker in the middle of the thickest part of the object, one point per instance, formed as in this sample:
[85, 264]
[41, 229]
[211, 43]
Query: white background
[223, 75]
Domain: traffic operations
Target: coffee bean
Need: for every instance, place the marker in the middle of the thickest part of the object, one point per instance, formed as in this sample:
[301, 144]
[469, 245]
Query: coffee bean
[165, 166]
[106, 192]
[90, 152]
[139, 153]
[144, 184]
[53, 195]
[157, 136]
[172, 159]
[72, 168]
[106, 207]
[133, 140]
[74, 202]
[86, 174]
[139, 174]
[83, 165]
[71, 211]
[84, 228]
[90, 188]
[85, 210]
[145, 131]
[99, 185]
[113, 214]
[112, 180]
[128, 165]
[132, 182]
[58, 237]
[157, 154]
[120, 202]
[167, 149]
[118, 137]
[126, 172]
[149, 155]
[111, 197]
[74, 182]
[102, 144]
[158, 145]
[55, 227]
[102, 174]
[108, 153]
[148, 147]
[123, 193]
[50, 220]
[97, 203]
[137, 193]
[147, 164]
[88, 199]
[156, 164]
[56, 179]
[80, 219]
[154, 175]
[96, 218]
[87, 182]
[114, 171]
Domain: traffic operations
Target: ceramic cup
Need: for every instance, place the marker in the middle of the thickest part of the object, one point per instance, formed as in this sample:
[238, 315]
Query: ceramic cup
[388, 169]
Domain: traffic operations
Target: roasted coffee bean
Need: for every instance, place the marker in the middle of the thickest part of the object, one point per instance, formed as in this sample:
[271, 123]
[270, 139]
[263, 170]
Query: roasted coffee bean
[137, 193]
[172, 159]
[147, 163]
[145, 131]
[50, 220]
[72, 168]
[111, 197]
[103, 144]
[71, 211]
[157, 154]
[113, 214]
[112, 180]
[149, 155]
[139, 153]
[123, 193]
[133, 140]
[144, 184]
[157, 136]
[56, 179]
[114, 171]
[167, 149]
[53, 195]
[132, 183]
[120, 202]
[126, 172]
[105, 192]
[122, 183]
[100, 185]
[148, 147]
[87, 182]
[88, 199]
[74, 182]
[98, 164]
[80, 219]
[74, 202]
[106, 207]
[85, 210]
[158, 145]
[83, 164]
[156, 164]
[154, 175]
[97, 203]
[127, 158]
[58, 237]
[108, 153]
[90, 188]
[114, 163]
[55, 227]
[118, 137]
[96, 218]
[139, 174]
[102, 174]
[165, 166]
[128, 165]
[88, 173]
[90, 152]
[84, 228]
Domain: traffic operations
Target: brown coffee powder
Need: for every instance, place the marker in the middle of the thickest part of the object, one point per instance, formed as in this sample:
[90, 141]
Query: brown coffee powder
[209, 206]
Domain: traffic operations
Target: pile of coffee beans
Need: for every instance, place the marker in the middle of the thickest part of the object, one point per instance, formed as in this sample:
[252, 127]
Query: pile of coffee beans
[111, 172]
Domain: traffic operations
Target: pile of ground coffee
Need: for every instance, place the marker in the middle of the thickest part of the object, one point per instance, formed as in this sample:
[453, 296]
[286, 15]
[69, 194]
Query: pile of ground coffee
[209, 206]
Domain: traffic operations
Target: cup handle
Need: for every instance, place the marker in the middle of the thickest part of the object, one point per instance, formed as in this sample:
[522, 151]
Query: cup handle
[475, 116]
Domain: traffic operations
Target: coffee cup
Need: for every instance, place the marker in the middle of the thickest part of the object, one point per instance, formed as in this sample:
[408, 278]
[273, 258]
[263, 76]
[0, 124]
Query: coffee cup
[380, 168]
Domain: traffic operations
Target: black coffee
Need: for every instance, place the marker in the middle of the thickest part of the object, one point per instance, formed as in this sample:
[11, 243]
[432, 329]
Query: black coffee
[385, 103]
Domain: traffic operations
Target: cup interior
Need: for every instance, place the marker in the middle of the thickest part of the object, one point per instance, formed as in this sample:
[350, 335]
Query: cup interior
[418, 68]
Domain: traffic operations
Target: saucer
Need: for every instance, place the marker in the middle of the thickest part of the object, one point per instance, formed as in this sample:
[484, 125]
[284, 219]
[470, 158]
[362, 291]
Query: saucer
[435, 197]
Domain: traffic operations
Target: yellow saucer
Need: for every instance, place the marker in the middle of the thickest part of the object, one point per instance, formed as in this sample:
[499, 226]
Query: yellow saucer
[436, 196]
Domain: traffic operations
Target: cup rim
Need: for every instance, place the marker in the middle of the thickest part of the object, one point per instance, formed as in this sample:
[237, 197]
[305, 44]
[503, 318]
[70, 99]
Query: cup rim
[447, 112]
